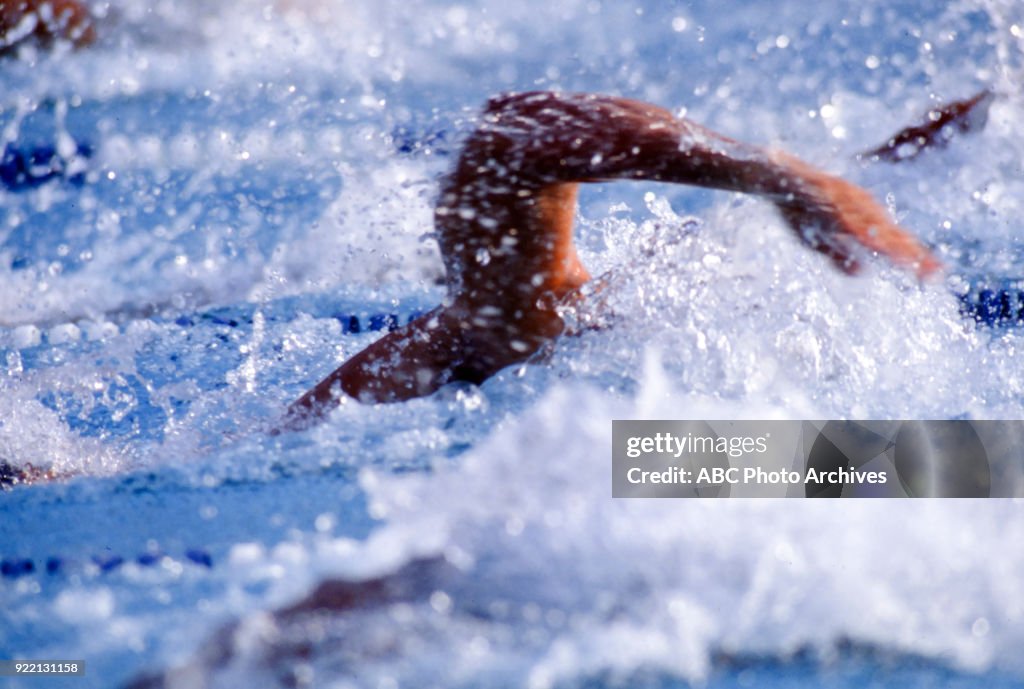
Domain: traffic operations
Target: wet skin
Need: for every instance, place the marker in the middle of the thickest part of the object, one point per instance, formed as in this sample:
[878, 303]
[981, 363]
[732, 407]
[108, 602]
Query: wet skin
[504, 221]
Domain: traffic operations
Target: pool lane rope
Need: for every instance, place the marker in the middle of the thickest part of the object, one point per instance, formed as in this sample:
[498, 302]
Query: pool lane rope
[351, 323]
[996, 303]
[17, 567]
[992, 303]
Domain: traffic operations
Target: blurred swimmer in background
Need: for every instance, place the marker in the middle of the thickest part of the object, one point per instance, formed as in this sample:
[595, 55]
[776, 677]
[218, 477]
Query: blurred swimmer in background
[44, 22]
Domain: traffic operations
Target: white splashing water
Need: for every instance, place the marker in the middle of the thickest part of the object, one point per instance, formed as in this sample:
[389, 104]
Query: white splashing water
[247, 152]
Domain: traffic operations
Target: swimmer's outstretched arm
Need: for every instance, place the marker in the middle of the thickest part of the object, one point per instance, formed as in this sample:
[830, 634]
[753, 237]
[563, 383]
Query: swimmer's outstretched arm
[504, 224]
[528, 142]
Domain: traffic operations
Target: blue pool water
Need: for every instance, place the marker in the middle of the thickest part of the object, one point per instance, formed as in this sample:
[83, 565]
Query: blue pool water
[221, 202]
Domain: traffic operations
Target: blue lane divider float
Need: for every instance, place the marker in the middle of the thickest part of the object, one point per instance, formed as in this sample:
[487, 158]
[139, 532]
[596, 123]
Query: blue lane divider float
[995, 303]
[15, 567]
[991, 303]
[413, 140]
[27, 168]
[352, 323]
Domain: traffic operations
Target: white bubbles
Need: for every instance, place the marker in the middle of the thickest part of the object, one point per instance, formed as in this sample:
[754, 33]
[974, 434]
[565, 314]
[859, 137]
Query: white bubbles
[33, 435]
[981, 627]
[441, 602]
[92, 607]
[63, 334]
[325, 522]
[25, 336]
[250, 152]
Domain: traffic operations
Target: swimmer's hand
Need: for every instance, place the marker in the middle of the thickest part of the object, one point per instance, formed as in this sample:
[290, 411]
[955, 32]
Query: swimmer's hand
[937, 129]
[833, 216]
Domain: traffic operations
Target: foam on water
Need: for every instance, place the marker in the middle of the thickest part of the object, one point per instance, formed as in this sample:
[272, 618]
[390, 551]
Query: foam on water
[667, 584]
[248, 184]
[32, 434]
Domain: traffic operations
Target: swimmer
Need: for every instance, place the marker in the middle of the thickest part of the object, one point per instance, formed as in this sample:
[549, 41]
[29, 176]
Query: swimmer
[504, 223]
[45, 21]
[937, 129]
[410, 585]
[11, 475]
